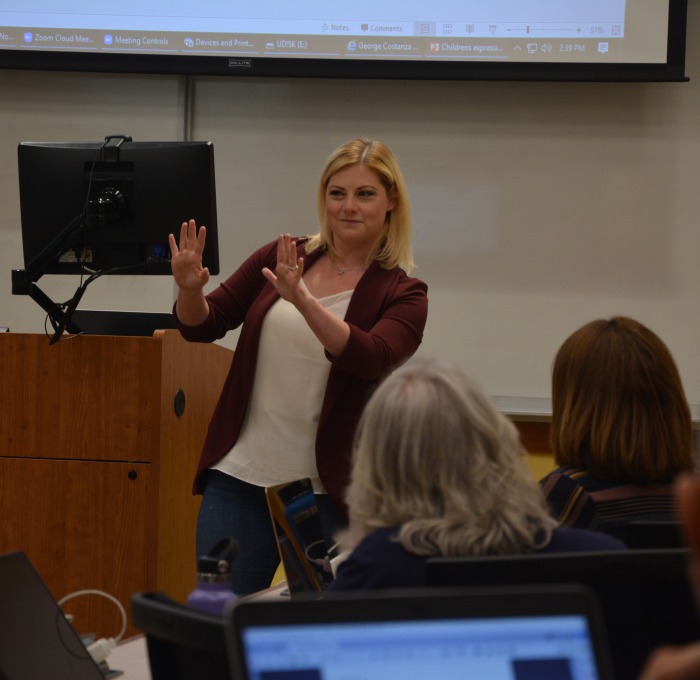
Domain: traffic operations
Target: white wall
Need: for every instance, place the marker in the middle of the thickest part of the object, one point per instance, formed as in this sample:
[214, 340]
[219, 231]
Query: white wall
[538, 206]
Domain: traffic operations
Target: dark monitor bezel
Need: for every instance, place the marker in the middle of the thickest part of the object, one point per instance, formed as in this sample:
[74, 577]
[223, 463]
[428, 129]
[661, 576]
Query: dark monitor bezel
[673, 69]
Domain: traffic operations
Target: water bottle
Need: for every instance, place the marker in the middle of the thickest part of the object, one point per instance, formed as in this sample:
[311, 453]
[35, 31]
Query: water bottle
[213, 589]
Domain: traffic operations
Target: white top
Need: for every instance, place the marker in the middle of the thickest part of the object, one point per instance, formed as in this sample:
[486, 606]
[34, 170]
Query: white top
[278, 439]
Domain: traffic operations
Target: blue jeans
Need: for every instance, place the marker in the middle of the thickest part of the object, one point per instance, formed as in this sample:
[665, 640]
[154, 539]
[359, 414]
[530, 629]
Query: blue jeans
[231, 507]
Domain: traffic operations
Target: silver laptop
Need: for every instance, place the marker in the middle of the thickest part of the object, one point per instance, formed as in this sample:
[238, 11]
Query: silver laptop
[505, 634]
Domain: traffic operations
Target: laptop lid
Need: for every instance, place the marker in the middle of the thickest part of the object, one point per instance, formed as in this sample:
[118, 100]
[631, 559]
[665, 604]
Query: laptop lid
[505, 634]
[300, 540]
[36, 640]
[107, 322]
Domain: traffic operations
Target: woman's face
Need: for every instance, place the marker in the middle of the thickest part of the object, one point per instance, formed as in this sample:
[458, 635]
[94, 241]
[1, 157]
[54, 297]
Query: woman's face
[356, 206]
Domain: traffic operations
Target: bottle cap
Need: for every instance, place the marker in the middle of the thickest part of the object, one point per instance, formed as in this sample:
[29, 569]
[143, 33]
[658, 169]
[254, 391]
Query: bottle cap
[217, 562]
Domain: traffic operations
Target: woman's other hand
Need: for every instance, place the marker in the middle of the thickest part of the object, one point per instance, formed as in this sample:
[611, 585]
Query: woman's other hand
[186, 259]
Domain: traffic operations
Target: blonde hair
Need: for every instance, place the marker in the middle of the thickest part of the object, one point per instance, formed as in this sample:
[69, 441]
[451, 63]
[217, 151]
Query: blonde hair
[394, 247]
[435, 458]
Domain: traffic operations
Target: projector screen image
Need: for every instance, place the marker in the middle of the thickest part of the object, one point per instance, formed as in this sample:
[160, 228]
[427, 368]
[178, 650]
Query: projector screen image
[411, 39]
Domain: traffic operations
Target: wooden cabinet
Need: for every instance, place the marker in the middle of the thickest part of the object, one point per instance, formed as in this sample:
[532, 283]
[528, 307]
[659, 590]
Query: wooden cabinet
[99, 440]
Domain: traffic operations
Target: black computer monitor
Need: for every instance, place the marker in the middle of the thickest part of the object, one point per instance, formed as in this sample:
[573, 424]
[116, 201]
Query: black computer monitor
[95, 208]
[111, 205]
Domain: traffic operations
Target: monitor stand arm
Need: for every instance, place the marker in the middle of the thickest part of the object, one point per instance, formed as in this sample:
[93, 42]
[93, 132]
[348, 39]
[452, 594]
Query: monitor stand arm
[23, 285]
[24, 280]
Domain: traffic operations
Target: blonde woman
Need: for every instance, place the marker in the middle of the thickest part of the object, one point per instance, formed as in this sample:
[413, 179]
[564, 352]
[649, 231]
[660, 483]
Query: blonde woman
[323, 319]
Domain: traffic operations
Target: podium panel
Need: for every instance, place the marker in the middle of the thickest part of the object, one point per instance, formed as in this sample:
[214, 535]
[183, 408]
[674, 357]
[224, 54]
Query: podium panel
[99, 441]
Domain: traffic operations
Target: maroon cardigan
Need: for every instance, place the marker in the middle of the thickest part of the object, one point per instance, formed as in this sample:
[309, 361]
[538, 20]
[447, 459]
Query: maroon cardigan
[386, 314]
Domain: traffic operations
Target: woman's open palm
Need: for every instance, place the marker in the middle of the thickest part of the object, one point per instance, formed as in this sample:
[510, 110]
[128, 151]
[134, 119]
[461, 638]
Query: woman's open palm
[186, 259]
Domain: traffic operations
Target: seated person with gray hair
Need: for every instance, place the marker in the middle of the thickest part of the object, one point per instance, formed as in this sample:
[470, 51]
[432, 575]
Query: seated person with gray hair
[439, 471]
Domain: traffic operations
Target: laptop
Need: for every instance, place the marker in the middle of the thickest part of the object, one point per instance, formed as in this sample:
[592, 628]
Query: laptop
[36, 640]
[103, 322]
[300, 540]
[500, 634]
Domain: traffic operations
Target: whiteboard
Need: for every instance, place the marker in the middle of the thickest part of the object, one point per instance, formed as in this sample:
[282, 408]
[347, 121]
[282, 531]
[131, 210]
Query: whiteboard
[537, 207]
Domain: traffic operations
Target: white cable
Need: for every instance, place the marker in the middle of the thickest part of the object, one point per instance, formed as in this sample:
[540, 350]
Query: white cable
[100, 649]
[91, 591]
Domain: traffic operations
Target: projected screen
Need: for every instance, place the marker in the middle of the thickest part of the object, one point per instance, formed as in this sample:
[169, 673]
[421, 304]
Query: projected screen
[259, 34]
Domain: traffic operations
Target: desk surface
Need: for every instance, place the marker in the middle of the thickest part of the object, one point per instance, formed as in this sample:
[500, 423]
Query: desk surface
[131, 656]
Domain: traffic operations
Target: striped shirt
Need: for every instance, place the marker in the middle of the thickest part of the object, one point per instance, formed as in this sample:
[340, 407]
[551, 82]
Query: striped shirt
[578, 500]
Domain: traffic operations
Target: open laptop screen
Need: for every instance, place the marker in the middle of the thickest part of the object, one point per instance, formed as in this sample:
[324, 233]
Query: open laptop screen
[299, 536]
[497, 635]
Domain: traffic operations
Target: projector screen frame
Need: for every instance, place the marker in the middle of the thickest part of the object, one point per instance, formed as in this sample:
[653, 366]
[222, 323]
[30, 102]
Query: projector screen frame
[672, 70]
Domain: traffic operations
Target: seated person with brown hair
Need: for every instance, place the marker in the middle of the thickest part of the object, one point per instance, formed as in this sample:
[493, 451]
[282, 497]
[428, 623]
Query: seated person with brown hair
[621, 428]
[439, 471]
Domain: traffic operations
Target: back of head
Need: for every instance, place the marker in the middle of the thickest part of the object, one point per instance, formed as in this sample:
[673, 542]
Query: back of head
[618, 406]
[434, 456]
[395, 248]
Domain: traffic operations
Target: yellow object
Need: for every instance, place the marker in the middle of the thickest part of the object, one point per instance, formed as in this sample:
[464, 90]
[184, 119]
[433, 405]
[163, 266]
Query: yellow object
[279, 575]
[540, 464]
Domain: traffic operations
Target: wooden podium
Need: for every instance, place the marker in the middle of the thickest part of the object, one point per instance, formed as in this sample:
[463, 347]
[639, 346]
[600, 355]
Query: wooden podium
[99, 440]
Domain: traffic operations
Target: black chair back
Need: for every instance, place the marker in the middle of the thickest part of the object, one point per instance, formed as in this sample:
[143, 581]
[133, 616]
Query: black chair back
[650, 534]
[644, 594]
[183, 643]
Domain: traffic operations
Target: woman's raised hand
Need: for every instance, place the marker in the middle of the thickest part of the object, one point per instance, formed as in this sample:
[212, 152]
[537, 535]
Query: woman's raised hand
[186, 259]
[289, 268]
